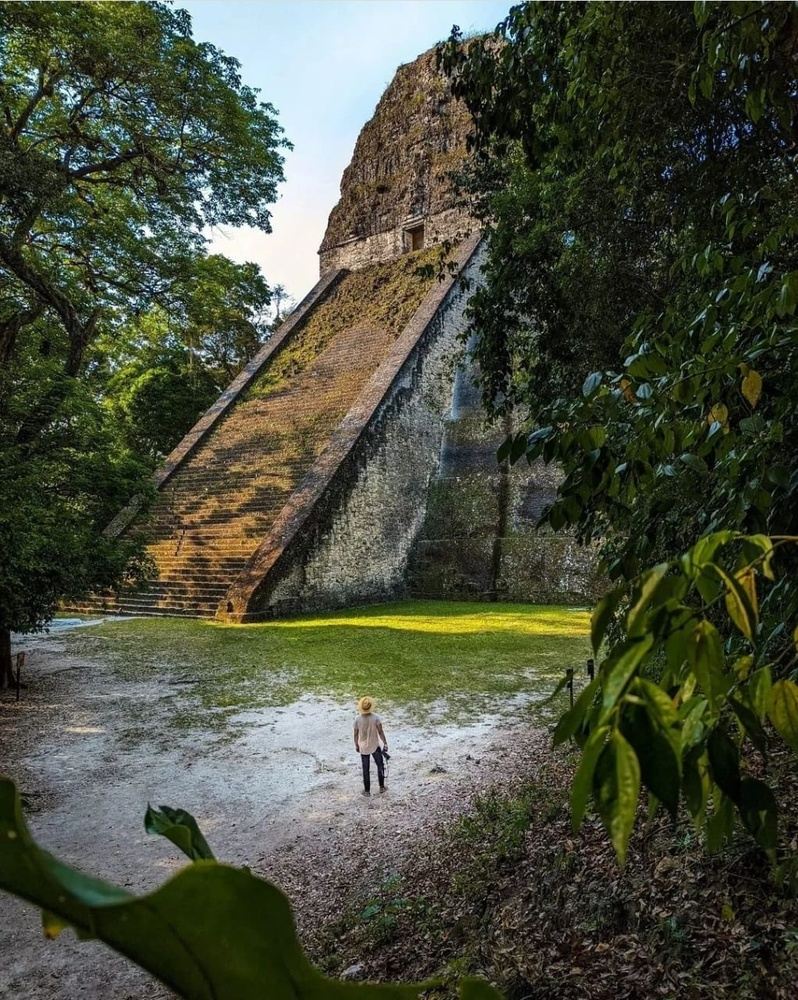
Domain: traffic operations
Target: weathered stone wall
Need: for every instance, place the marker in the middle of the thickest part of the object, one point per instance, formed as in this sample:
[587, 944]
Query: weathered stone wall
[401, 172]
[357, 253]
[355, 548]
[479, 538]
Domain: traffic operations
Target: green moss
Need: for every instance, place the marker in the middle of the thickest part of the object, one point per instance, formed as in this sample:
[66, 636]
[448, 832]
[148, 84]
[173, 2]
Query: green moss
[462, 507]
[383, 296]
[457, 659]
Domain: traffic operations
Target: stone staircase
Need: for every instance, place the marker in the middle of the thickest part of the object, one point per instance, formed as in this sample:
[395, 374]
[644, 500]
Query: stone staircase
[211, 514]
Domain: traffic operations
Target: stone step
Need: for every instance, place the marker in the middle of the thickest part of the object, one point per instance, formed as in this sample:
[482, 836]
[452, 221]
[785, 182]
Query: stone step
[161, 612]
[156, 601]
[183, 591]
[206, 539]
[209, 576]
[206, 609]
[254, 520]
[221, 570]
[200, 557]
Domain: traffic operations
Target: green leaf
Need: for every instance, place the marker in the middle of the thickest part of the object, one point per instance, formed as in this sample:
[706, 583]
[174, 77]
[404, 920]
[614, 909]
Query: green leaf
[724, 762]
[583, 780]
[703, 552]
[693, 784]
[212, 932]
[618, 670]
[750, 724]
[596, 436]
[602, 616]
[742, 610]
[518, 448]
[661, 707]
[760, 686]
[643, 596]
[765, 546]
[759, 812]
[616, 784]
[572, 720]
[705, 655]
[181, 828]
[708, 585]
[720, 824]
[503, 451]
[572, 508]
[659, 764]
[676, 643]
[783, 711]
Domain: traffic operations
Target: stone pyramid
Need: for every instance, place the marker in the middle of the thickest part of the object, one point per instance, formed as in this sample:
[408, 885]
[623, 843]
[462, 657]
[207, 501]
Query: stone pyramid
[349, 461]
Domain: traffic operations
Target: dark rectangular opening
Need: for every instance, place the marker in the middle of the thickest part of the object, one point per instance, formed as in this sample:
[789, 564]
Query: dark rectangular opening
[415, 238]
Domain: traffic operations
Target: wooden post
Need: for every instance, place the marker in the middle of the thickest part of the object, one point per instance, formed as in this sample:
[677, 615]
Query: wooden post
[19, 665]
[569, 674]
[591, 669]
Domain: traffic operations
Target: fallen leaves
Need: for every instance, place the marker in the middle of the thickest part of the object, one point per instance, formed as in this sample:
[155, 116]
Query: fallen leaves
[563, 922]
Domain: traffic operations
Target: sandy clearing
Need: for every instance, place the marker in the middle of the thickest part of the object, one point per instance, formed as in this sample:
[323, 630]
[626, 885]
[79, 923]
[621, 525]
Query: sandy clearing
[281, 795]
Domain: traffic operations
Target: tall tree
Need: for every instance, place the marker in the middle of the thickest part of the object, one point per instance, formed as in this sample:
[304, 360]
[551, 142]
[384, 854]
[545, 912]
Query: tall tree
[121, 140]
[638, 180]
[162, 368]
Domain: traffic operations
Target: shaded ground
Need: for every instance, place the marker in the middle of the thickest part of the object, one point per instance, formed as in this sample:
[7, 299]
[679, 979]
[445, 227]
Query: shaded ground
[509, 892]
[249, 728]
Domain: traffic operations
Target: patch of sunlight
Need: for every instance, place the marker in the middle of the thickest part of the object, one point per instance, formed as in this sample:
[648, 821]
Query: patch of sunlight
[460, 625]
[84, 730]
[531, 621]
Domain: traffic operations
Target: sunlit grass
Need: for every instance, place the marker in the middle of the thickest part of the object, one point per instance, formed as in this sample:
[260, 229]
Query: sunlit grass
[454, 619]
[441, 659]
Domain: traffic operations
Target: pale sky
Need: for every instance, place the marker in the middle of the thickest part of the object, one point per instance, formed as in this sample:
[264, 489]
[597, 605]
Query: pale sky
[323, 64]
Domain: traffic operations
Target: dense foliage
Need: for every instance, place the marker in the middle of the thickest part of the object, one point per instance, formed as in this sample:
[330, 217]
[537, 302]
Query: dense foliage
[158, 371]
[636, 174]
[121, 140]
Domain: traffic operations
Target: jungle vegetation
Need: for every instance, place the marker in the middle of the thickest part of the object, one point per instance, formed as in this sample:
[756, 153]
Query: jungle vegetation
[122, 139]
[635, 170]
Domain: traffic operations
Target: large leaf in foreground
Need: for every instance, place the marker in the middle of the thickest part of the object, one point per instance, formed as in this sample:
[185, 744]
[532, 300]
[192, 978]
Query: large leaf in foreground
[212, 932]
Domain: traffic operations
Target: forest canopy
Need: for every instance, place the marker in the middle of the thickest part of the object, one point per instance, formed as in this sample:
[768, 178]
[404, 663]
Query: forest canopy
[122, 139]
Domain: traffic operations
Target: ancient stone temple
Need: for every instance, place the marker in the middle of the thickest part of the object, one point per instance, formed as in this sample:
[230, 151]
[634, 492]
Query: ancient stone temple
[350, 461]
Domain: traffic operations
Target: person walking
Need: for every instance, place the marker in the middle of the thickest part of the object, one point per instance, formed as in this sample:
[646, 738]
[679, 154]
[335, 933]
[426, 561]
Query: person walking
[368, 736]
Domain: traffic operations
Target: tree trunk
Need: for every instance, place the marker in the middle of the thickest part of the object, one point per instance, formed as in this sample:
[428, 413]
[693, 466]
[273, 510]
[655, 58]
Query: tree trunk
[6, 673]
[11, 327]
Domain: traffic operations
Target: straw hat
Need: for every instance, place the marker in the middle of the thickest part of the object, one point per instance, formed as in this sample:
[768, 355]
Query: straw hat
[365, 705]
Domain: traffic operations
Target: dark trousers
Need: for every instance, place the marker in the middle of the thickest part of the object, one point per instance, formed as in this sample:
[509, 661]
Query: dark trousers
[366, 762]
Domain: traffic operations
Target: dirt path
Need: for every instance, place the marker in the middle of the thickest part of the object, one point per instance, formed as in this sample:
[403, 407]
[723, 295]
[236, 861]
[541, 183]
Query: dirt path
[278, 791]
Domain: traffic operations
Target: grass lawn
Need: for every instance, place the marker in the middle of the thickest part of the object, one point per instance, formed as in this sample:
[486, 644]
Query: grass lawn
[449, 660]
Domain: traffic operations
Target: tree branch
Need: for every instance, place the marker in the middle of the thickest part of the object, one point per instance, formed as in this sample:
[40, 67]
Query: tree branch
[78, 331]
[110, 164]
[44, 89]
[11, 327]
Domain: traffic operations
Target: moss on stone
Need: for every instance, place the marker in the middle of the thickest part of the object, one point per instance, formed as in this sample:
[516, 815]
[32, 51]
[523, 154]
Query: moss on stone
[462, 507]
[382, 296]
